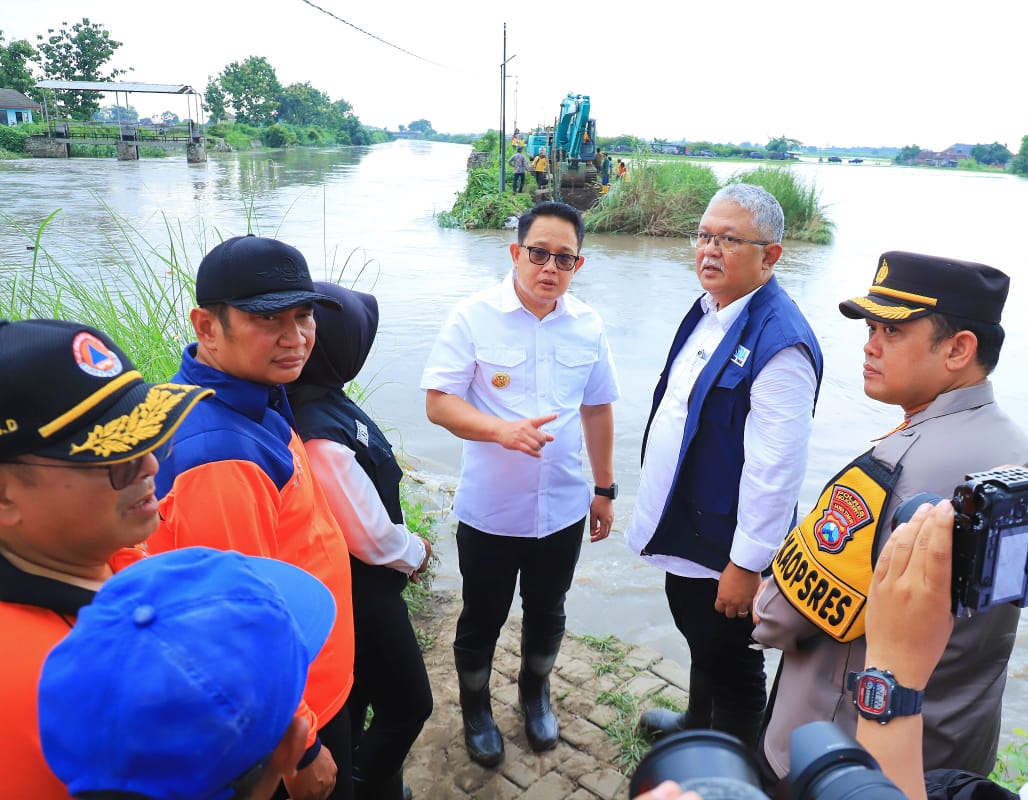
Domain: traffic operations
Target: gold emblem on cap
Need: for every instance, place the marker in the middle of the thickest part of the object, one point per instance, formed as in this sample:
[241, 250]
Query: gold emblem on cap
[145, 421]
[883, 272]
[885, 312]
[501, 380]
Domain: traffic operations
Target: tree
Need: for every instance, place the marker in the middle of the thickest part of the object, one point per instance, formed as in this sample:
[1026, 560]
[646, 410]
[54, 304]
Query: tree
[995, 153]
[302, 104]
[908, 155]
[115, 114]
[214, 100]
[422, 126]
[169, 118]
[15, 72]
[251, 89]
[782, 144]
[1019, 163]
[78, 53]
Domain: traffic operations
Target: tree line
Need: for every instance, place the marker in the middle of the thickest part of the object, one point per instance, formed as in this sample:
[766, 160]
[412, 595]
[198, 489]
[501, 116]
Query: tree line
[248, 90]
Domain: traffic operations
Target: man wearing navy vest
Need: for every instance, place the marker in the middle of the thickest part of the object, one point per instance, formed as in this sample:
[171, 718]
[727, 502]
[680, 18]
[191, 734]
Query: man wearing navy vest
[724, 454]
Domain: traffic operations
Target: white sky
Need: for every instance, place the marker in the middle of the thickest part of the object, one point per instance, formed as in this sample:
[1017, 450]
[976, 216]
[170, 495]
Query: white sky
[874, 73]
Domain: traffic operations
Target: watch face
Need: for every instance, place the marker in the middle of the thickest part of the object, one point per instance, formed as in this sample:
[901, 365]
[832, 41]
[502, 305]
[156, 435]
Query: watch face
[872, 695]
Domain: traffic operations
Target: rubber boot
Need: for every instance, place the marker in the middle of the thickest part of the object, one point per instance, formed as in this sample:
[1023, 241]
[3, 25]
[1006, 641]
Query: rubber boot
[657, 722]
[537, 660]
[390, 788]
[743, 725]
[481, 736]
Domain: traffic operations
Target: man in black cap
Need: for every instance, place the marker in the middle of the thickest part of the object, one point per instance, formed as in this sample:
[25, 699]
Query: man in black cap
[934, 336]
[78, 431]
[239, 479]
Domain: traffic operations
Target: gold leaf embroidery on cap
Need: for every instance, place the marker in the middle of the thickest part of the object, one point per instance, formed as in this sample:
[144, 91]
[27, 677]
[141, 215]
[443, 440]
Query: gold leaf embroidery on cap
[885, 312]
[883, 272]
[501, 380]
[145, 421]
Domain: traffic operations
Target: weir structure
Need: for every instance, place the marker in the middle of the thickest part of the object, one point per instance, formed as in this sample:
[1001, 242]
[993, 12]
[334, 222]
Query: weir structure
[125, 135]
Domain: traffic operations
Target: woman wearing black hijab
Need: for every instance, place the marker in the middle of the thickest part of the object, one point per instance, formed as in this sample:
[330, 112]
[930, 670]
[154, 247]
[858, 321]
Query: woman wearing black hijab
[355, 466]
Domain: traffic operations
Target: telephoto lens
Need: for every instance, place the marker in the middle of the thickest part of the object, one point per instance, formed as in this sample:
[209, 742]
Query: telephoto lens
[826, 764]
[716, 765]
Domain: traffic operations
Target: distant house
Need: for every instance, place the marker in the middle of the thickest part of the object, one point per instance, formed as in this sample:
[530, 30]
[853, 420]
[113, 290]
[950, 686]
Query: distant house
[16, 108]
[949, 157]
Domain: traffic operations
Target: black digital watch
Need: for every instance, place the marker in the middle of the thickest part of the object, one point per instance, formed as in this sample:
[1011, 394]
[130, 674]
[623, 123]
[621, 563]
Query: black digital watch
[878, 695]
[603, 491]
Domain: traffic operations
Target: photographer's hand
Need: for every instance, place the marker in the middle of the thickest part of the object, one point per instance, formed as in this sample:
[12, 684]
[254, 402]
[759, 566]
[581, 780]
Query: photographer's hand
[913, 573]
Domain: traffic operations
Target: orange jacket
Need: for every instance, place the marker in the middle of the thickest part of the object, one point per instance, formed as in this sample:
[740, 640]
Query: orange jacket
[35, 614]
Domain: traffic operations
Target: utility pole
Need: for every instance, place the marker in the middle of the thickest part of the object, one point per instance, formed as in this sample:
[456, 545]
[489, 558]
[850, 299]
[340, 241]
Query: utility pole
[503, 111]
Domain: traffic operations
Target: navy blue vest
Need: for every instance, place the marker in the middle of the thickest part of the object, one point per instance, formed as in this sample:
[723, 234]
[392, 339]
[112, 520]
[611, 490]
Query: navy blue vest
[699, 517]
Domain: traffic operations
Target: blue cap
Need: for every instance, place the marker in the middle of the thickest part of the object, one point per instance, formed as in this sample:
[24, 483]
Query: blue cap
[182, 675]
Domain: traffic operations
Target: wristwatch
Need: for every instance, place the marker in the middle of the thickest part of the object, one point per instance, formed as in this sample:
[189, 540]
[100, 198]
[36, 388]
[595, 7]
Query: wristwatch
[878, 696]
[611, 492]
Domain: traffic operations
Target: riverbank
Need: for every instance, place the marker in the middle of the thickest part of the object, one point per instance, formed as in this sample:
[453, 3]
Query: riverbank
[595, 688]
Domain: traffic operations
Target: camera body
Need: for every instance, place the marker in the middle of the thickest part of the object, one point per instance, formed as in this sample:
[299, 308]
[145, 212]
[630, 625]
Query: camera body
[990, 538]
[826, 765]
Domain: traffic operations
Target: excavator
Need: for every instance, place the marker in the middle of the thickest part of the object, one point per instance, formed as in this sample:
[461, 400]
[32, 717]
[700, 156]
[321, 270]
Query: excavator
[570, 147]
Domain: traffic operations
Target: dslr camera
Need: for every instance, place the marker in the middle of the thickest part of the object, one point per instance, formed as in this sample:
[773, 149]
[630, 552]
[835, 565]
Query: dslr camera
[826, 765]
[990, 538]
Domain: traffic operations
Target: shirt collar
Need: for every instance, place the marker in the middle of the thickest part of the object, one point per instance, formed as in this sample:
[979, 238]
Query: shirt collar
[247, 397]
[727, 316]
[509, 300]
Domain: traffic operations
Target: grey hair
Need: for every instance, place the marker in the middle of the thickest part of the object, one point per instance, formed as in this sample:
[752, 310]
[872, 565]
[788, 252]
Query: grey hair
[768, 217]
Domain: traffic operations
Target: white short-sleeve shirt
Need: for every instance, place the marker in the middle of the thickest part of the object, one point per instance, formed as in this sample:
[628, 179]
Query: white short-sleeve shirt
[504, 361]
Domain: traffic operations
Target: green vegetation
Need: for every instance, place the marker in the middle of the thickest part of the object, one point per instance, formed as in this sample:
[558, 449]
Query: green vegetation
[659, 199]
[668, 199]
[77, 53]
[480, 205]
[1011, 768]
[1019, 163]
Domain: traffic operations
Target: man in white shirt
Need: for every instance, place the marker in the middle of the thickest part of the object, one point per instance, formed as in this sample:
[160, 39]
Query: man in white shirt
[724, 455]
[520, 371]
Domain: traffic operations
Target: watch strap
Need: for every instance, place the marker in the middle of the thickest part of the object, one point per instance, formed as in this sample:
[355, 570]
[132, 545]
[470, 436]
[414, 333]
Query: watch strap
[902, 700]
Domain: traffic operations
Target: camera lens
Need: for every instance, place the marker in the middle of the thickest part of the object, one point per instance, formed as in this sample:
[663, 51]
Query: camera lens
[829, 765]
[712, 763]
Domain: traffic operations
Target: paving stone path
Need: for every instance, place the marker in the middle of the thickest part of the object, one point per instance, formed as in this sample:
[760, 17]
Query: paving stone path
[583, 766]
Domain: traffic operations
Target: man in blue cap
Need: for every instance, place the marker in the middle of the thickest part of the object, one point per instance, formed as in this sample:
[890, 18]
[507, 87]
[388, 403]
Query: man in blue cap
[181, 679]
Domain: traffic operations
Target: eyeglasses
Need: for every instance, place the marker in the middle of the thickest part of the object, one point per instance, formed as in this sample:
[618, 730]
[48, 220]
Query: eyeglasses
[726, 242]
[563, 261]
[121, 475]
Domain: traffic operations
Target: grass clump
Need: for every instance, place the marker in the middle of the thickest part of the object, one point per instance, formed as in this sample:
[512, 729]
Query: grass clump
[660, 199]
[805, 219]
[479, 205]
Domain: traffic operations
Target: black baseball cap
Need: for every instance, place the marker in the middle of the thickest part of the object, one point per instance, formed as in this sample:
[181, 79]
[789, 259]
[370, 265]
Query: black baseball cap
[908, 286]
[257, 274]
[70, 393]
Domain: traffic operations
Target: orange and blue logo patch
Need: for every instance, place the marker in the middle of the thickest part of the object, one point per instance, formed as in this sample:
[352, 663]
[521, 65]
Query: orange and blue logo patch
[94, 357]
[847, 512]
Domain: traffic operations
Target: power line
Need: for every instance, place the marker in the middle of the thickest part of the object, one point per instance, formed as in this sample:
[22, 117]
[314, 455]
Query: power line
[373, 36]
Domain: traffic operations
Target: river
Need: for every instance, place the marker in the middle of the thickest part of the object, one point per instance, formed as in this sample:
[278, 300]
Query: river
[374, 207]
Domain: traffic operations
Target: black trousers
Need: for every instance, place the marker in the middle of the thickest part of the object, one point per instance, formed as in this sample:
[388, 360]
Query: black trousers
[334, 735]
[718, 646]
[519, 182]
[490, 566]
[389, 673]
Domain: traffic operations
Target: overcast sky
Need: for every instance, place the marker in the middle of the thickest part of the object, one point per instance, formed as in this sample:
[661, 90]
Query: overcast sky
[828, 74]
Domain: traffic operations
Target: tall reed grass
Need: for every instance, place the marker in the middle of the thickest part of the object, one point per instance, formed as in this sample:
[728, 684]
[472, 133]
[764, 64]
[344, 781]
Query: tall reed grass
[669, 198]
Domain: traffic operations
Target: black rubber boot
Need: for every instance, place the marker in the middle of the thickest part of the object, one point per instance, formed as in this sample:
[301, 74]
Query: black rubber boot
[481, 736]
[537, 659]
[657, 722]
[391, 788]
[743, 725]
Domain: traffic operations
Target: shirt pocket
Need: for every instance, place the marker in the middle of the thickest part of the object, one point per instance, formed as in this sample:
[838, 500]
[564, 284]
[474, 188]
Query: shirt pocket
[574, 366]
[502, 373]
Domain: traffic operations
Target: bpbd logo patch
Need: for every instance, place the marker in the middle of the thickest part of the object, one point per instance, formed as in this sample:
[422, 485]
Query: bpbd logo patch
[94, 357]
[847, 512]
